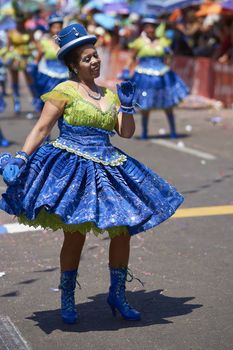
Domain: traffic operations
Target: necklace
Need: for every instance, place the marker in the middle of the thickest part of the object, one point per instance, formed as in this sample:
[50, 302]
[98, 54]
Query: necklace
[97, 96]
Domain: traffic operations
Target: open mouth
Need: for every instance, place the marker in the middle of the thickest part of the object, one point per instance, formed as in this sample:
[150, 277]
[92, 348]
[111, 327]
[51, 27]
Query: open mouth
[96, 69]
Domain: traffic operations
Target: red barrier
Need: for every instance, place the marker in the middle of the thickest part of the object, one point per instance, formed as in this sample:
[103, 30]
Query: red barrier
[223, 84]
[203, 76]
[185, 69]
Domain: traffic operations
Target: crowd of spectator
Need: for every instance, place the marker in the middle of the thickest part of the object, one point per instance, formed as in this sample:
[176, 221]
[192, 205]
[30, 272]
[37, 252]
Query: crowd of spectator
[190, 34]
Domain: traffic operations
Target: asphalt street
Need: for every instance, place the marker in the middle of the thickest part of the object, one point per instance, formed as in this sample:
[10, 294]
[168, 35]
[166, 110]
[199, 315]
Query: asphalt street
[185, 263]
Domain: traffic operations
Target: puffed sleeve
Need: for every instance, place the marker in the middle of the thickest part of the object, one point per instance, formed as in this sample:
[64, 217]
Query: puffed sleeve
[59, 96]
[136, 44]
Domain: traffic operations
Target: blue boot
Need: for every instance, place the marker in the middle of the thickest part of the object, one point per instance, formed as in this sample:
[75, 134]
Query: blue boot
[36, 102]
[67, 286]
[16, 98]
[117, 299]
[2, 103]
[3, 141]
[172, 125]
[144, 123]
[17, 104]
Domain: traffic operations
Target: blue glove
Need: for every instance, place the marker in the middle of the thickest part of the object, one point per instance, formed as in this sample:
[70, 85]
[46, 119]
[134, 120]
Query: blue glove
[126, 91]
[124, 74]
[14, 168]
[4, 159]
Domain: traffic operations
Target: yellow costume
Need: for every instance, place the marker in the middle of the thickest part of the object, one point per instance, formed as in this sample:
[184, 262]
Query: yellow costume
[20, 52]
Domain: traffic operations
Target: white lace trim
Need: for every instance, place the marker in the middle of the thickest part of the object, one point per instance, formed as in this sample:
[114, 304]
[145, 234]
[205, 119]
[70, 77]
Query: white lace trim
[119, 161]
[151, 71]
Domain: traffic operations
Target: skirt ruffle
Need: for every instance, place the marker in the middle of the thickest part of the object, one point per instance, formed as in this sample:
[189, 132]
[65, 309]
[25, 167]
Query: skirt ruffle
[159, 92]
[87, 195]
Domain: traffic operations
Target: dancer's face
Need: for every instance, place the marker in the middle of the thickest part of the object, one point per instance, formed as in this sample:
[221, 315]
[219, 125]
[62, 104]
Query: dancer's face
[88, 62]
[149, 29]
[55, 28]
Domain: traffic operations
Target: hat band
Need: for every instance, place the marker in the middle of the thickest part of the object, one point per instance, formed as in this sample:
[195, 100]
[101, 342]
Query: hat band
[56, 20]
[75, 41]
[149, 20]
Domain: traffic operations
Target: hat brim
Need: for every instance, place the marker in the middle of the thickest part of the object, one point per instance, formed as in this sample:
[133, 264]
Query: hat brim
[86, 39]
[149, 21]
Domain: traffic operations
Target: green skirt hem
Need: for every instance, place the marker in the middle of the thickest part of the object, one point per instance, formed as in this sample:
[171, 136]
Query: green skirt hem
[54, 222]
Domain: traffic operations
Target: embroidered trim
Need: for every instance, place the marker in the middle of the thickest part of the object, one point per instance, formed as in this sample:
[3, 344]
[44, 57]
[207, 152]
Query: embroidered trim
[119, 161]
[151, 71]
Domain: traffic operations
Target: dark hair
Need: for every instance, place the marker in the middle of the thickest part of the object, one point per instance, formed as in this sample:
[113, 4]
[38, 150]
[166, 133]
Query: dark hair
[71, 58]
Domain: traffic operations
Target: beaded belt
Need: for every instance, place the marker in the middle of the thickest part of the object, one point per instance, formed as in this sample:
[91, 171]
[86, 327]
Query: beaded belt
[102, 152]
[151, 71]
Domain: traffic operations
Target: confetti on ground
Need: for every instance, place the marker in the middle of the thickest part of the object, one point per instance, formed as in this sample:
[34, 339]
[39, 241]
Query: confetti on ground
[188, 128]
[180, 144]
[216, 120]
[162, 131]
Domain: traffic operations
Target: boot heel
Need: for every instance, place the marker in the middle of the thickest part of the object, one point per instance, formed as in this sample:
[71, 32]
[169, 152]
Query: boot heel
[117, 298]
[112, 307]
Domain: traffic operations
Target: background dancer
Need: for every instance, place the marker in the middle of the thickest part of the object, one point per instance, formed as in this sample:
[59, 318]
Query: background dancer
[80, 182]
[51, 71]
[20, 46]
[157, 86]
[3, 78]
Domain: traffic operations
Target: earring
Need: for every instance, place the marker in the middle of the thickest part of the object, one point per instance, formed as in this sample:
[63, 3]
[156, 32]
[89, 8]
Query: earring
[75, 70]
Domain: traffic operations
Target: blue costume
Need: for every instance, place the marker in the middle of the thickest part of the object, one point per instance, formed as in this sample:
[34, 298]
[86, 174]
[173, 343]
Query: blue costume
[51, 71]
[157, 86]
[81, 182]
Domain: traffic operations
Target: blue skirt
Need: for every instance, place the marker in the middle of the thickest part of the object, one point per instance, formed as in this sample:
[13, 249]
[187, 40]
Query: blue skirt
[62, 190]
[157, 86]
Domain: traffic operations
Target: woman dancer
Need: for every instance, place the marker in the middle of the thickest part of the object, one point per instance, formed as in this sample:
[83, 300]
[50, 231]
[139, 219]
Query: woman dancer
[80, 182]
[3, 141]
[157, 86]
[20, 47]
[51, 71]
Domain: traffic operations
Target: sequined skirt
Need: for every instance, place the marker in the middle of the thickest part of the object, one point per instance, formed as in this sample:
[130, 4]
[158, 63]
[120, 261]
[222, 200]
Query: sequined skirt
[157, 86]
[61, 189]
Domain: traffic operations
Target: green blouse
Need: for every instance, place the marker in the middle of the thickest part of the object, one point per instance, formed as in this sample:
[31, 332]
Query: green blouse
[79, 111]
[49, 49]
[145, 48]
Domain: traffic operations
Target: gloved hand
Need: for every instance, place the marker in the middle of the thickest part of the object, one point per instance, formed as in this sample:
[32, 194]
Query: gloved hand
[14, 168]
[4, 159]
[124, 74]
[126, 91]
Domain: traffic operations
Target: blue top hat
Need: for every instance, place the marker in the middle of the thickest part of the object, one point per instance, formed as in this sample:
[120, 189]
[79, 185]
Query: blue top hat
[149, 19]
[55, 18]
[73, 36]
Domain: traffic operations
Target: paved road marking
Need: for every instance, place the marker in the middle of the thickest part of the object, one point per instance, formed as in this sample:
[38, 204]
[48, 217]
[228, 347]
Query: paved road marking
[204, 211]
[194, 152]
[10, 337]
[17, 228]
